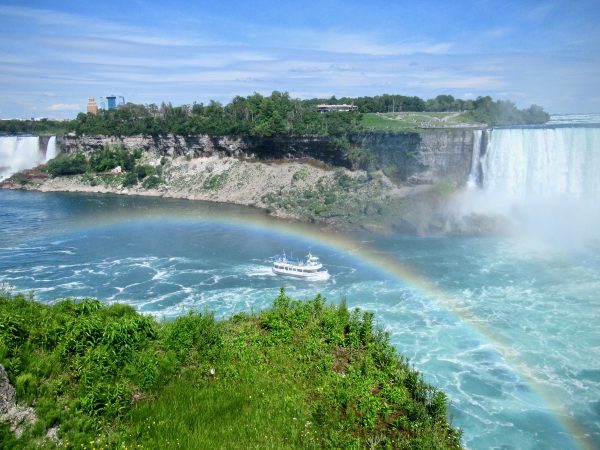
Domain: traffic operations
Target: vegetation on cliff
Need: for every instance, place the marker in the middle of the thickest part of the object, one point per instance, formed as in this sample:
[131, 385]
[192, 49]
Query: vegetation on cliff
[97, 166]
[298, 375]
[275, 115]
[255, 115]
[40, 126]
[279, 114]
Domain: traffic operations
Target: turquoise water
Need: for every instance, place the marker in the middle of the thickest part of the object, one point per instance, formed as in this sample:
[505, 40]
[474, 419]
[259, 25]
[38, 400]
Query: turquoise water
[518, 352]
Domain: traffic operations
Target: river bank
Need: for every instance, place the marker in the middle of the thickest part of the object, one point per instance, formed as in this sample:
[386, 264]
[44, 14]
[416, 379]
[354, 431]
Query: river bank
[305, 190]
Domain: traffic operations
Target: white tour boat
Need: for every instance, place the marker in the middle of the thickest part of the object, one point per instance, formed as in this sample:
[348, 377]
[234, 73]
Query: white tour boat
[310, 268]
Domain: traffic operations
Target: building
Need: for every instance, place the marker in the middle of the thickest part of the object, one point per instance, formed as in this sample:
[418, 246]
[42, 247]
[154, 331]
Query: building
[91, 106]
[327, 108]
[112, 101]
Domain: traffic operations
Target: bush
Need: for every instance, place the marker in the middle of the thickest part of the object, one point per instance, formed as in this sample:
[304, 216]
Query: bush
[67, 165]
[131, 179]
[144, 171]
[19, 178]
[151, 182]
[109, 158]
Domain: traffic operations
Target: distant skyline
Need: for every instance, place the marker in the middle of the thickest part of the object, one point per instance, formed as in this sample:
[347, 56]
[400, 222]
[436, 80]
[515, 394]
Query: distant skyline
[54, 55]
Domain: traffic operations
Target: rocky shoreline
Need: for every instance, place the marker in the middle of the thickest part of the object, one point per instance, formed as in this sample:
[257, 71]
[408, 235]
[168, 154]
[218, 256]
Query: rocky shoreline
[290, 189]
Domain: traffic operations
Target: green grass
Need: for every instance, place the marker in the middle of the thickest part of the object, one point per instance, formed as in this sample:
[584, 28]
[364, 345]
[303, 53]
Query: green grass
[411, 121]
[302, 374]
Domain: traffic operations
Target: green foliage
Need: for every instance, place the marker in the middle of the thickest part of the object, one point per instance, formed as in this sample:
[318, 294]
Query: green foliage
[67, 165]
[109, 158]
[36, 127]
[255, 115]
[274, 115]
[152, 182]
[144, 171]
[19, 178]
[131, 179]
[302, 374]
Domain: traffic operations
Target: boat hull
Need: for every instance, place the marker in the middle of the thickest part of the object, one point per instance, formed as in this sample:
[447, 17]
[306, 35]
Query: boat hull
[316, 275]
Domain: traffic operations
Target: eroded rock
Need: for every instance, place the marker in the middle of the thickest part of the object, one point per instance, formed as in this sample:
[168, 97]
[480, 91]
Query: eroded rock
[18, 417]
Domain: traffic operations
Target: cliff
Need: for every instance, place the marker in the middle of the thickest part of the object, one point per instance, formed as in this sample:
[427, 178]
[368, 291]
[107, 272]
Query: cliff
[258, 148]
[408, 158]
[375, 180]
[420, 158]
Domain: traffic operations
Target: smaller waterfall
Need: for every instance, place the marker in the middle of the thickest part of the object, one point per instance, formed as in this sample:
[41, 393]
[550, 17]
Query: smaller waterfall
[51, 149]
[23, 152]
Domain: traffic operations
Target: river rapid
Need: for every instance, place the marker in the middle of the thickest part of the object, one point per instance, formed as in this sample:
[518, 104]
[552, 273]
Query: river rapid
[507, 327]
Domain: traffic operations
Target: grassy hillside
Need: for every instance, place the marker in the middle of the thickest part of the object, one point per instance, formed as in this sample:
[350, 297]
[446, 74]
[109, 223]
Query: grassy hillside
[414, 121]
[298, 375]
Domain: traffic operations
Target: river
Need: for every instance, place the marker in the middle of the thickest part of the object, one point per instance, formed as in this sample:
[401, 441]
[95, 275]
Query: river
[506, 326]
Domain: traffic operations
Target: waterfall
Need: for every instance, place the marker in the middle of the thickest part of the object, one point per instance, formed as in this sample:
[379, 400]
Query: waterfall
[23, 152]
[546, 181]
[546, 163]
[51, 149]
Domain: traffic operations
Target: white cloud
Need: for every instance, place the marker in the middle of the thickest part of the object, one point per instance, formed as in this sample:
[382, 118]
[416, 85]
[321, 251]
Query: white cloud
[443, 80]
[64, 107]
[357, 43]
[86, 26]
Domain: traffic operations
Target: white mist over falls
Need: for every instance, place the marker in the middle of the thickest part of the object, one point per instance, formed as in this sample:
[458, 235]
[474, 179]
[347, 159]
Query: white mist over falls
[546, 181]
[24, 152]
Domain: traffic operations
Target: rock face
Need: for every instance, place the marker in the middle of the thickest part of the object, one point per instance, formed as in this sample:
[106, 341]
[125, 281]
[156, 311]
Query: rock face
[409, 158]
[18, 417]
[7, 393]
[422, 158]
[262, 148]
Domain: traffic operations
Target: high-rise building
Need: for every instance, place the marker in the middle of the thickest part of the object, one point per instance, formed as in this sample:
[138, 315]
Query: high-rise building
[112, 101]
[91, 106]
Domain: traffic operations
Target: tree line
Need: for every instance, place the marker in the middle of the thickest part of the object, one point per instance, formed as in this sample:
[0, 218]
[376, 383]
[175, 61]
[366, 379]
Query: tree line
[276, 114]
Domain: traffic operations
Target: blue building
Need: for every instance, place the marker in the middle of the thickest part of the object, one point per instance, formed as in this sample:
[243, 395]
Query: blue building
[112, 101]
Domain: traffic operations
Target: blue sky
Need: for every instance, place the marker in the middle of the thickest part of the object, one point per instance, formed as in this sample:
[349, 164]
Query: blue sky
[54, 55]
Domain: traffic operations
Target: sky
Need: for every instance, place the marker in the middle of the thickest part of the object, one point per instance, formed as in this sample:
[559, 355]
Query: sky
[56, 54]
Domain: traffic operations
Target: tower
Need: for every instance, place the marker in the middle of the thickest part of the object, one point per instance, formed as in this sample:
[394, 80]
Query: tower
[91, 106]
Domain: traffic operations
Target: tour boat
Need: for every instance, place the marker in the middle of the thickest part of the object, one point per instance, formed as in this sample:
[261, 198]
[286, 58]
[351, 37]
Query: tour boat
[310, 268]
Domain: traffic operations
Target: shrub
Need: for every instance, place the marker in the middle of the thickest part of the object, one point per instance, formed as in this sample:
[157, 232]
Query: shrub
[144, 171]
[19, 178]
[151, 182]
[109, 158]
[131, 179]
[67, 165]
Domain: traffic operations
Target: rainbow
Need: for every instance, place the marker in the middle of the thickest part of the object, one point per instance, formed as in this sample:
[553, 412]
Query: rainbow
[256, 221]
